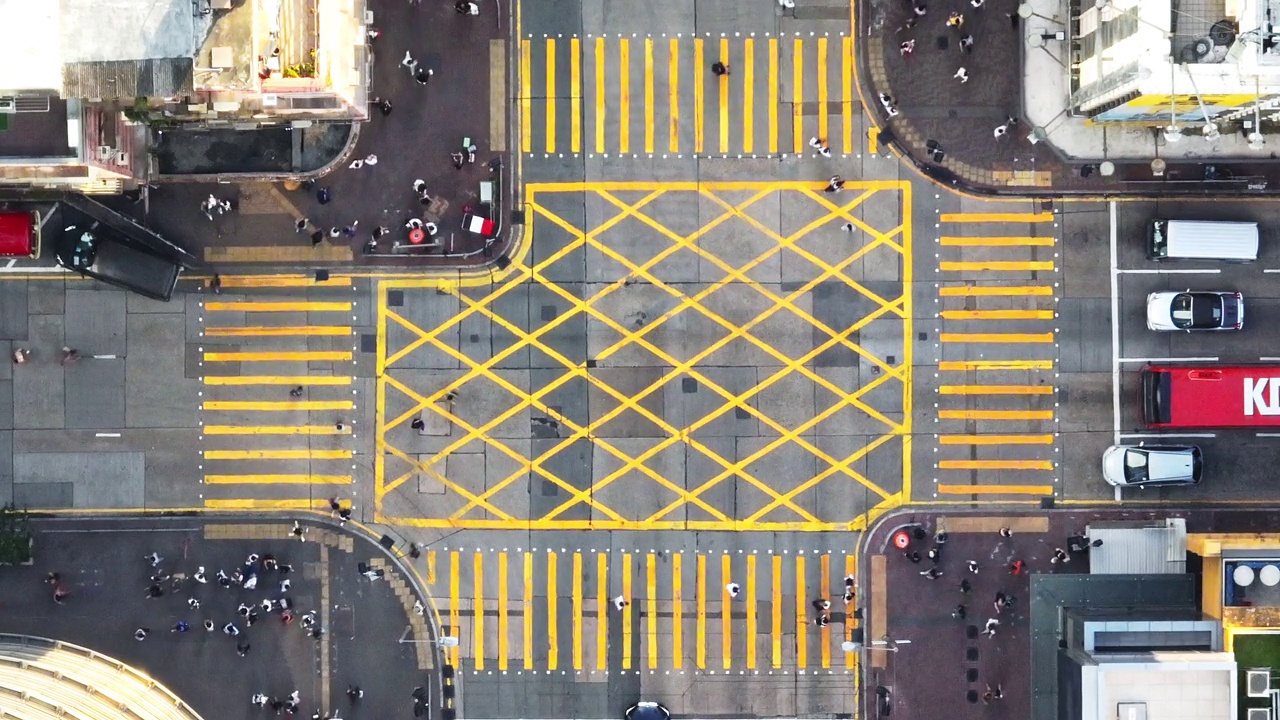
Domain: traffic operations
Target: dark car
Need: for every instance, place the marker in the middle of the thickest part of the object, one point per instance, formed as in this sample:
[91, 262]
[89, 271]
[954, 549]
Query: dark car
[647, 711]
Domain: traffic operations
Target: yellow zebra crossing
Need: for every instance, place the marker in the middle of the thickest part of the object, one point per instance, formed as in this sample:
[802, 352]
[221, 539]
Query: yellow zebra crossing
[997, 399]
[657, 96]
[556, 610]
[264, 443]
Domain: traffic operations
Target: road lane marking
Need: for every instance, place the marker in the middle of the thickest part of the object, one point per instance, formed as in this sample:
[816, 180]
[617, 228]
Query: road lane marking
[275, 380]
[1020, 241]
[995, 390]
[965, 365]
[526, 618]
[997, 266]
[848, 100]
[551, 95]
[748, 95]
[279, 479]
[577, 611]
[946, 489]
[996, 337]
[1168, 271]
[995, 439]
[797, 96]
[265, 504]
[726, 612]
[249, 306]
[553, 597]
[724, 98]
[626, 611]
[995, 414]
[825, 632]
[308, 454]
[1037, 217]
[1168, 360]
[283, 281]
[261, 331]
[751, 636]
[823, 122]
[624, 95]
[700, 628]
[272, 430]
[673, 79]
[995, 465]
[503, 620]
[995, 291]
[526, 96]
[851, 657]
[600, 96]
[648, 95]
[699, 97]
[802, 629]
[281, 406]
[307, 356]
[997, 314]
[677, 611]
[651, 609]
[575, 96]
[477, 617]
[775, 629]
[455, 589]
[773, 96]
[602, 615]
[1167, 435]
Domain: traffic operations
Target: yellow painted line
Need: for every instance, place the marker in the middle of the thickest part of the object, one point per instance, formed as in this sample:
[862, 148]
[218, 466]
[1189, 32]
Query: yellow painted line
[995, 291]
[998, 241]
[575, 106]
[748, 95]
[995, 414]
[477, 621]
[651, 610]
[318, 356]
[995, 489]
[263, 504]
[773, 96]
[277, 479]
[600, 96]
[271, 430]
[282, 406]
[848, 102]
[797, 100]
[997, 314]
[277, 454]
[553, 634]
[775, 631]
[995, 465]
[431, 567]
[996, 337]
[827, 591]
[455, 600]
[752, 621]
[700, 651]
[996, 217]
[624, 95]
[995, 439]
[602, 614]
[677, 610]
[724, 99]
[503, 620]
[699, 111]
[278, 281]
[248, 306]
[260, 331]
[577, 611]
[802, 604]
[275, 380]
[823, 124]
[873, 139]
[626, 611]
[673, 101]
[996, 390]
[526, 96]
[726, 614]
[850, 568]
[526, 617]
[551, 97]
[963, 365]
[648, 95]
[997, 266]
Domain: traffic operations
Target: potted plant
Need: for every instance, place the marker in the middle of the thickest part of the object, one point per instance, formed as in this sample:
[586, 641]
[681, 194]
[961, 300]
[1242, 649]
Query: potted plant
[15, 536]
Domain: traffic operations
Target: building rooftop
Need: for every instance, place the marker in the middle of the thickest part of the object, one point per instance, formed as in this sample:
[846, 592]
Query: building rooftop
[1197, 691]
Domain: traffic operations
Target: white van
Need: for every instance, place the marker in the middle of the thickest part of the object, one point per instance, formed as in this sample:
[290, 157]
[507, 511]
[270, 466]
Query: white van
[1202, 240]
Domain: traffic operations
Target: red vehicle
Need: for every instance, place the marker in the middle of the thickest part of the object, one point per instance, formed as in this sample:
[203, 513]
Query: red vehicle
[1211, 396]
[20, 234]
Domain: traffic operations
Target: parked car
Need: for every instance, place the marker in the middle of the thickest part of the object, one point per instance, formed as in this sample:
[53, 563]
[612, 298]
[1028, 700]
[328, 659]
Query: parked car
[1141, 465]
[1199, 310]
[647, 711]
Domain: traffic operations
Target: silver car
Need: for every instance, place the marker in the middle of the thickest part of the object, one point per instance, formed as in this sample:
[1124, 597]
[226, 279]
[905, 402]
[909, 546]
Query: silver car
[1141, 465]
[1195, 310]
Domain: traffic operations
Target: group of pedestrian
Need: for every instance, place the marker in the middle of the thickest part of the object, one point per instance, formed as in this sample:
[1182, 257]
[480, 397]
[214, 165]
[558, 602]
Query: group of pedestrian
[212, 204]
[69, 355]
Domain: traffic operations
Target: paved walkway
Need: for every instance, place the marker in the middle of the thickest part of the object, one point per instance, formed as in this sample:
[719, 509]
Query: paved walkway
[935, 110]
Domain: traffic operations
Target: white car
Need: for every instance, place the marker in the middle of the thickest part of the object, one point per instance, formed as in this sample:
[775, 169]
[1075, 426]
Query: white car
[1142, 465]
[1198, 310]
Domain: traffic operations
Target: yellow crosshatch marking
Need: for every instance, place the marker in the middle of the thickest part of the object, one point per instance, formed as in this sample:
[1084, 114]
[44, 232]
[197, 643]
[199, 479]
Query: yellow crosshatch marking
[733, 217]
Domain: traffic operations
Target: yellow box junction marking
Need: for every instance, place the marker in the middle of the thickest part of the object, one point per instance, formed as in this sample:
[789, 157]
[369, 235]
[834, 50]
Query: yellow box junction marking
[482, 508]
[649, 585]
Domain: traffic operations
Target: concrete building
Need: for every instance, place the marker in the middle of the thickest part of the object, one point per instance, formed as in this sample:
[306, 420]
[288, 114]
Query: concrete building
[83, 81]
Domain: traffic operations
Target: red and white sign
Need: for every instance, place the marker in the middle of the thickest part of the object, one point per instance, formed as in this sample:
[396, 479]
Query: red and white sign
[1209, 396]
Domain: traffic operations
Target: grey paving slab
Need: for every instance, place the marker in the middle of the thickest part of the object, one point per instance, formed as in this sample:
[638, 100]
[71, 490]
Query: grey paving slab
[95, 321]
[159, 392]
[100, 480]
[38, 390]
[13, 298]
[6, 402]
[46, 297]
[95, 394]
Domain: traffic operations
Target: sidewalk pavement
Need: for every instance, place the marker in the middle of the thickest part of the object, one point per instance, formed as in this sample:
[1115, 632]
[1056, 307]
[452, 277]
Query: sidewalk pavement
[936, 110]
[948, 662]
[468, 56]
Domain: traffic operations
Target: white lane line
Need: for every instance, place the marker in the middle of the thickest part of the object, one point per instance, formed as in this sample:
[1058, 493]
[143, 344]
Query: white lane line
[1115, 335]
[11, 268]
[1169, 272]
[1169, 435]
[1266, 358]
[1267, 434]
[1159, 361]
[1272, 270]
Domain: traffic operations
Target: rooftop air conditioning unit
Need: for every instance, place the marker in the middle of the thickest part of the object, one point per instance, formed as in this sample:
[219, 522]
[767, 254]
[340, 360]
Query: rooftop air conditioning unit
[8, 105]
[1258, 714]
[1258, 682]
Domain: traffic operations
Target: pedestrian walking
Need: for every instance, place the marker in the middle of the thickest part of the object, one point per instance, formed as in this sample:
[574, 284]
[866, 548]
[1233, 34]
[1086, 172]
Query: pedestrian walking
[243, 610]
[60, 592]
[959, 612]
[920, 10]
[309, 619]
[181, 626]
[822, 620]
[955, 20]
[847, 227]
[317, 237]
[141, 634]
[934, 555]
[966, 44]
[932, 573]
[999, 603]
[962, 75]
[423, 75]
[298, 531]
[733, 589]
[417, 424]
[409, 62]
[242, 648]
[154, 558]
[258, 699]
[284, 585]
[223, 580]
[385, 106]
[323, 195]
[20, 355]
[910, 23]
[378, 233]
[418, 607]
[372, 34]
[787, 4]
[973, 566]
[344, 515]
[835, 185]
[1015, 568]
[275, 704]
[719, 69]
[907, 47]
[821, 604]
[1059, 556]
[354, 693]
[965, 587]
[886, 101]
[466, 8]
[990, 629]
[1006, 532]
[350, 230]
[997, 692]
[208, 625]
[356, 164]
[913, 556]
[1000, 131]
[296, 392]
[849, 588]
[231, 629]
[193, 603]
[370, 159]
[977, 4]
[154, 591]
